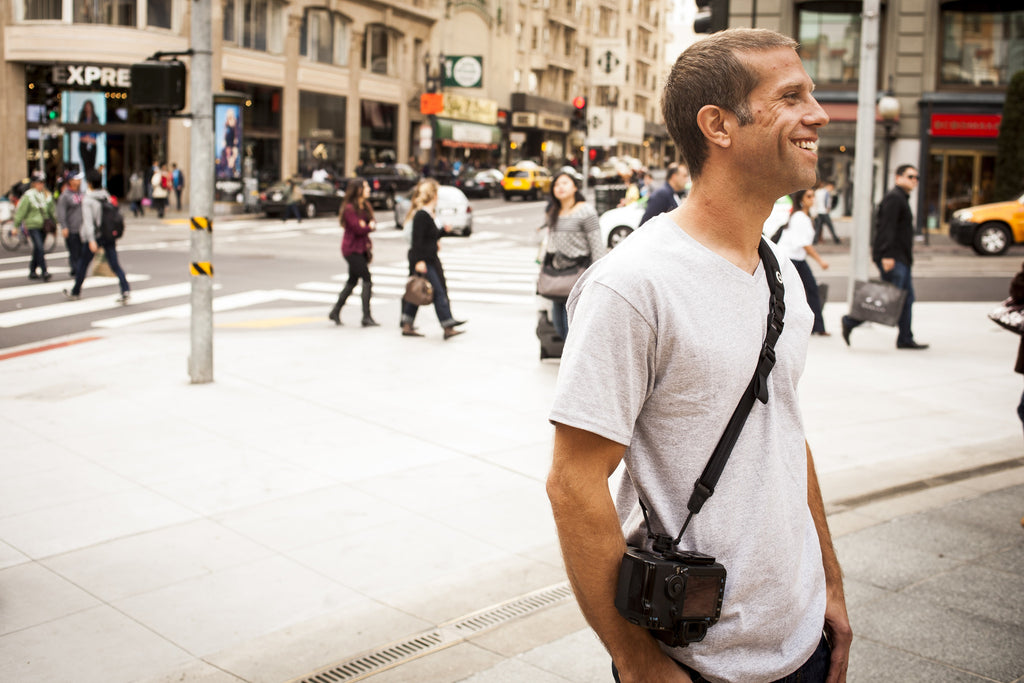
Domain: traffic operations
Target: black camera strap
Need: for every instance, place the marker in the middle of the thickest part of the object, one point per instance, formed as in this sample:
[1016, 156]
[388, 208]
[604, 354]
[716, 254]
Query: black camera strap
[756, 390]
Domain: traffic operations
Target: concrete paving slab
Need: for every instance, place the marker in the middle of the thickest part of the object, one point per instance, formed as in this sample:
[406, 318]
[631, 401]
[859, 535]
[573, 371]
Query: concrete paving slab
[515, 671]
[871, 661]
[577, 657]
[33, 595]
[456, 663]
[970, 589]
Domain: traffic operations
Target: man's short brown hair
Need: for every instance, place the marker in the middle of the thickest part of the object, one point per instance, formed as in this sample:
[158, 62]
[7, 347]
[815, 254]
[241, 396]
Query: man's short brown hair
[711, 72]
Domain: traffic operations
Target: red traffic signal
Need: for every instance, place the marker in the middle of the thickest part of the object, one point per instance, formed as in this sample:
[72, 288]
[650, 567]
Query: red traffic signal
[579, 102]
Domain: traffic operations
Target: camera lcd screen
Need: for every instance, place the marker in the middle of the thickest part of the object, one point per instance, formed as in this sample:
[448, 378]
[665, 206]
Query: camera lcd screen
[701, 596]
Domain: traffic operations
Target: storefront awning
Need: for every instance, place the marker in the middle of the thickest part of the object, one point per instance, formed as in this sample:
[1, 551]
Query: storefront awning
[452, 133]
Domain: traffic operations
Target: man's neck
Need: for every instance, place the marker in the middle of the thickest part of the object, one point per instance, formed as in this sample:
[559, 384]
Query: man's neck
[725, 222]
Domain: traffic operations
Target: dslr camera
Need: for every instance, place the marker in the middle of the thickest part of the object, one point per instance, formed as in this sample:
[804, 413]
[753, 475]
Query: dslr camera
[676, 595]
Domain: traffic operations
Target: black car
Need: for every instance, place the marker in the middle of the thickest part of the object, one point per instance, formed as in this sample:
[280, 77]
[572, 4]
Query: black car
[318, 198]
[386, 181]
[484, 182]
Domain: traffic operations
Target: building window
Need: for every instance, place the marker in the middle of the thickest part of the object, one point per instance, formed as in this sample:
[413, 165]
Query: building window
[324, 37]
[158, 13]
[829, 37]
[981, 47]
[379, 52]
[255, 24]
[111, 12]
[42, 9]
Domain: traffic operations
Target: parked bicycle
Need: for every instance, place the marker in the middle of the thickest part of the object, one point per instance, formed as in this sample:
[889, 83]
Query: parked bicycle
[14, 237]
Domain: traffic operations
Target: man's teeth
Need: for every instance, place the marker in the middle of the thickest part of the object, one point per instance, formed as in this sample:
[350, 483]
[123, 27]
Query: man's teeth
[807, 144]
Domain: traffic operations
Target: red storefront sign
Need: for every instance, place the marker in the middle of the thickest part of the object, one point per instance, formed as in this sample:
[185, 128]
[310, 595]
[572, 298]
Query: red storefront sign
[965, 125]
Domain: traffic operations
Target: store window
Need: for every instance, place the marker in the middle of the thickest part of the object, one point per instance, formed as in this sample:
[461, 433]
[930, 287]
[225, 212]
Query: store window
[983, 46]
[255, 24]
[829, 37]
[37, 10]
[324, 37]
[158, 13]
[378, 132]
[321, 133]
[111, 12]
[379, 52]
[261, 129]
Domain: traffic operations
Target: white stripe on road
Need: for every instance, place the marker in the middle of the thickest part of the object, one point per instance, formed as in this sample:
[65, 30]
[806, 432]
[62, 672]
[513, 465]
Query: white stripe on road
[223, 303]
[93, 282]
[82, 306]
[393, 290]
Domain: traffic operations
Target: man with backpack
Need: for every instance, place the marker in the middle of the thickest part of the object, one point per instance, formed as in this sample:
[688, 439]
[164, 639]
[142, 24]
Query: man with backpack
[102, 226]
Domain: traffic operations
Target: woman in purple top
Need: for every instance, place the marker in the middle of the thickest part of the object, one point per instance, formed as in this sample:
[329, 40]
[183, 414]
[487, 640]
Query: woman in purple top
[357, 221]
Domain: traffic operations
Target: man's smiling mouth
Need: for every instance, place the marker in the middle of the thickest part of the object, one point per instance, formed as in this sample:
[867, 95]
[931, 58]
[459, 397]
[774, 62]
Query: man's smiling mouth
[811, 145]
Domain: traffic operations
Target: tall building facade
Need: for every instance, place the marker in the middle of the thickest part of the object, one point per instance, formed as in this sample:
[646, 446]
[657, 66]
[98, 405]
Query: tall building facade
[947, 63]
[331, 83]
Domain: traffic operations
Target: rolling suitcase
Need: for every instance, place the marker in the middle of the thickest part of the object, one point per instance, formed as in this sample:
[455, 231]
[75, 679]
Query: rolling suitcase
[550, 343]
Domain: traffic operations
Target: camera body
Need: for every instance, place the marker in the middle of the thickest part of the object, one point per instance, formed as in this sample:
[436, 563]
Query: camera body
[676, 595]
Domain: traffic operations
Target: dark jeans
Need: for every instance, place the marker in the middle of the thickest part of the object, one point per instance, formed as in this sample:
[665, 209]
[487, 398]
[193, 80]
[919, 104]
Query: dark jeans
[441, 304]
[110, 249]
[160, 203]
[358, 269]
[1020, 409]
[38, 252]
[899, 276]
[177, 195]
[814, 670]
[811, 290]
[560, 318]
[74, 244]
[292, 210]
[820, 221]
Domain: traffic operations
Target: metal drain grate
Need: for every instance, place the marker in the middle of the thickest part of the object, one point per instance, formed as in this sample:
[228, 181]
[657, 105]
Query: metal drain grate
[448, 634]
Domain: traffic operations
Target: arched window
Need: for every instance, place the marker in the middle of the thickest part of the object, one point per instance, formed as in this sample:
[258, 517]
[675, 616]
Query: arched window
[324, 37]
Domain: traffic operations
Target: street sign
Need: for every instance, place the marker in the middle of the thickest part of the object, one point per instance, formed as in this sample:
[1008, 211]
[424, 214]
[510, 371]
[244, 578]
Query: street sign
[52, 130]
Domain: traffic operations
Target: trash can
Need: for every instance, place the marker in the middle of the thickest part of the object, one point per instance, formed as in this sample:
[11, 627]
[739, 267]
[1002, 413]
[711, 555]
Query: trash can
[608, 197]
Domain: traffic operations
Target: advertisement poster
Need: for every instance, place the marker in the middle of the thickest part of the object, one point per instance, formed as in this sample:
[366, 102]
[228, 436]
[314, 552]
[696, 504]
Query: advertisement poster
[228, 140]
[84, 150]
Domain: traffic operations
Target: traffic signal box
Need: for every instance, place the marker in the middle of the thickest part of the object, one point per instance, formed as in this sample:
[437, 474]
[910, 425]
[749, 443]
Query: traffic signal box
[712, 16]
[158, 85]
[579, 113]
[52, 104]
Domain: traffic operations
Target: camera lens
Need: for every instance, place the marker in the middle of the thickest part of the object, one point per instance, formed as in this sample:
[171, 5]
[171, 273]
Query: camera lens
[674, 586]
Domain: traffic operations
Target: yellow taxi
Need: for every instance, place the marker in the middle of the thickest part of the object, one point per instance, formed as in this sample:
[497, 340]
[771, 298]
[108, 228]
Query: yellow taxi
[990, 228]
[529, 181]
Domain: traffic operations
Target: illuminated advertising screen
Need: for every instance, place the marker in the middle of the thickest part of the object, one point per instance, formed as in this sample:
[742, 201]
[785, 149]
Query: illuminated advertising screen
[84, 149]
[227, 125]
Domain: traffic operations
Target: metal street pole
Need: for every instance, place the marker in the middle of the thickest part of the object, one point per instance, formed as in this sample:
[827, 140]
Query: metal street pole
[200, 360]
[860, 248]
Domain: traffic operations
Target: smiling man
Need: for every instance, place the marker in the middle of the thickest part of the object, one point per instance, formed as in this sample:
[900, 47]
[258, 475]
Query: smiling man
[667, 331]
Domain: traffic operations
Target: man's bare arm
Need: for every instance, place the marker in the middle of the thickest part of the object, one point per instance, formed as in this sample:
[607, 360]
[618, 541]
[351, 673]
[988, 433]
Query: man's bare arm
[592, 547]
[837, 622]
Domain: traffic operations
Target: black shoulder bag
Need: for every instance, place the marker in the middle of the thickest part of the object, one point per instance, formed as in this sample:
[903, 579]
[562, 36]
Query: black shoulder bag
[677, 595]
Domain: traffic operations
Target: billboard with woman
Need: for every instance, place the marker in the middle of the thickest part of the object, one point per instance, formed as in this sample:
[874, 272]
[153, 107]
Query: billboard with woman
[85, 149]
[228, 140]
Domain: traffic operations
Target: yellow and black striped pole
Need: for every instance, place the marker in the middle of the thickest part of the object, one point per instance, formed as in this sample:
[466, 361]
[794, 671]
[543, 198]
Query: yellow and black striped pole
[200, 268]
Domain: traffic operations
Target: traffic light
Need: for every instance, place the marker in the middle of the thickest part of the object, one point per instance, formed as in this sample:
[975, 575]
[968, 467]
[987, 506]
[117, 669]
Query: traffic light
[158, 85]
[712, 16]
[579, 113]
[51, 104]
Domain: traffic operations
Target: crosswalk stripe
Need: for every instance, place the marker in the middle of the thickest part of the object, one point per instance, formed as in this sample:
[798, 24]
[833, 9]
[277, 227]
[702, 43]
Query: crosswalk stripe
[223, 303]
[12, 274]
[95, 282]
[392, 290]
[70, 308]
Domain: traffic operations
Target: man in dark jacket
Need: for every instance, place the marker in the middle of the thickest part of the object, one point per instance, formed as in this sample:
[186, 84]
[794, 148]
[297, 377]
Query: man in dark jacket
[666, 197]
[892, 250]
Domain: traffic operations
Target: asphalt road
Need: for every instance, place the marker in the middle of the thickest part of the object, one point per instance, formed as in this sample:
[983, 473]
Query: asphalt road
[254, 254]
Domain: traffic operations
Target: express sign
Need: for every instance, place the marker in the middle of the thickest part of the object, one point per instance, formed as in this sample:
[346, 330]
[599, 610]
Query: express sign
[89, 76]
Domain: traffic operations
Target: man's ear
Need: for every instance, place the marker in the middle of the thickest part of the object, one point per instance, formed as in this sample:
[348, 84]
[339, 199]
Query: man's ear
[716, 124]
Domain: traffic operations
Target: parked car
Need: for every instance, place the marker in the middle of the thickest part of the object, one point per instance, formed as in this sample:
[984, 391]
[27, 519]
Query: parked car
[619, 223]
[317, 199]
[989, 228]
[387, 181]
[484, 182]
[453, 208]
[529, 182]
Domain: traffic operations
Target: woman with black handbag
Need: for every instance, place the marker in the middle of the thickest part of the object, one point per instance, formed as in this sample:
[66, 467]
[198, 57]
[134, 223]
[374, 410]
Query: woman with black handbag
[574, 242]
[424, 260]
[356, 248]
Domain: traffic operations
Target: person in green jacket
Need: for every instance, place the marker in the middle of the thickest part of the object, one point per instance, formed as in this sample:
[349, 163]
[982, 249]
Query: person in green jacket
[34, 207]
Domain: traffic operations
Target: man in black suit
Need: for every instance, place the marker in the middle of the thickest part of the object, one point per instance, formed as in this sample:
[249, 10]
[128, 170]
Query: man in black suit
[666, 197]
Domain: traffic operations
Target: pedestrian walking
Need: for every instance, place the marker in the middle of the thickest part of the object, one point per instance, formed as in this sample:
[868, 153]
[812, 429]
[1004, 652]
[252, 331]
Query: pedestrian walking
[666, 197]
[424, 260]
[177, 182]
[667, 330]
[822, 211]
[136, 193]
[35, 210]
[358, 222]
[69, 218]
[1017, 295]
[160, 183]
[294, 205]
[574, 237]
[893, 252]
[93, 240]
[795, 244]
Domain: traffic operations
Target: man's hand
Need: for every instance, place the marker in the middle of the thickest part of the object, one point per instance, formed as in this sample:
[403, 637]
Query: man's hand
[64, 232]
[93, 246]
[421, 267]
[661, 670]
[888, 264]
[840, 635]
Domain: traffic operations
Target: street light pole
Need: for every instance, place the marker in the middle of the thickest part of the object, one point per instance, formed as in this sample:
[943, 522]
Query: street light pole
[200, 198]
[889, 112]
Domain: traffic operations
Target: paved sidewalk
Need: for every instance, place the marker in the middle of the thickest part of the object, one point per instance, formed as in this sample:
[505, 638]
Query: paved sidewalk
[339, 489]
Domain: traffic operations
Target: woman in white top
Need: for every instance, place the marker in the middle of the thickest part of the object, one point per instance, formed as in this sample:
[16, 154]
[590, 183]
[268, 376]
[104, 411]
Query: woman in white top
[796, 244]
